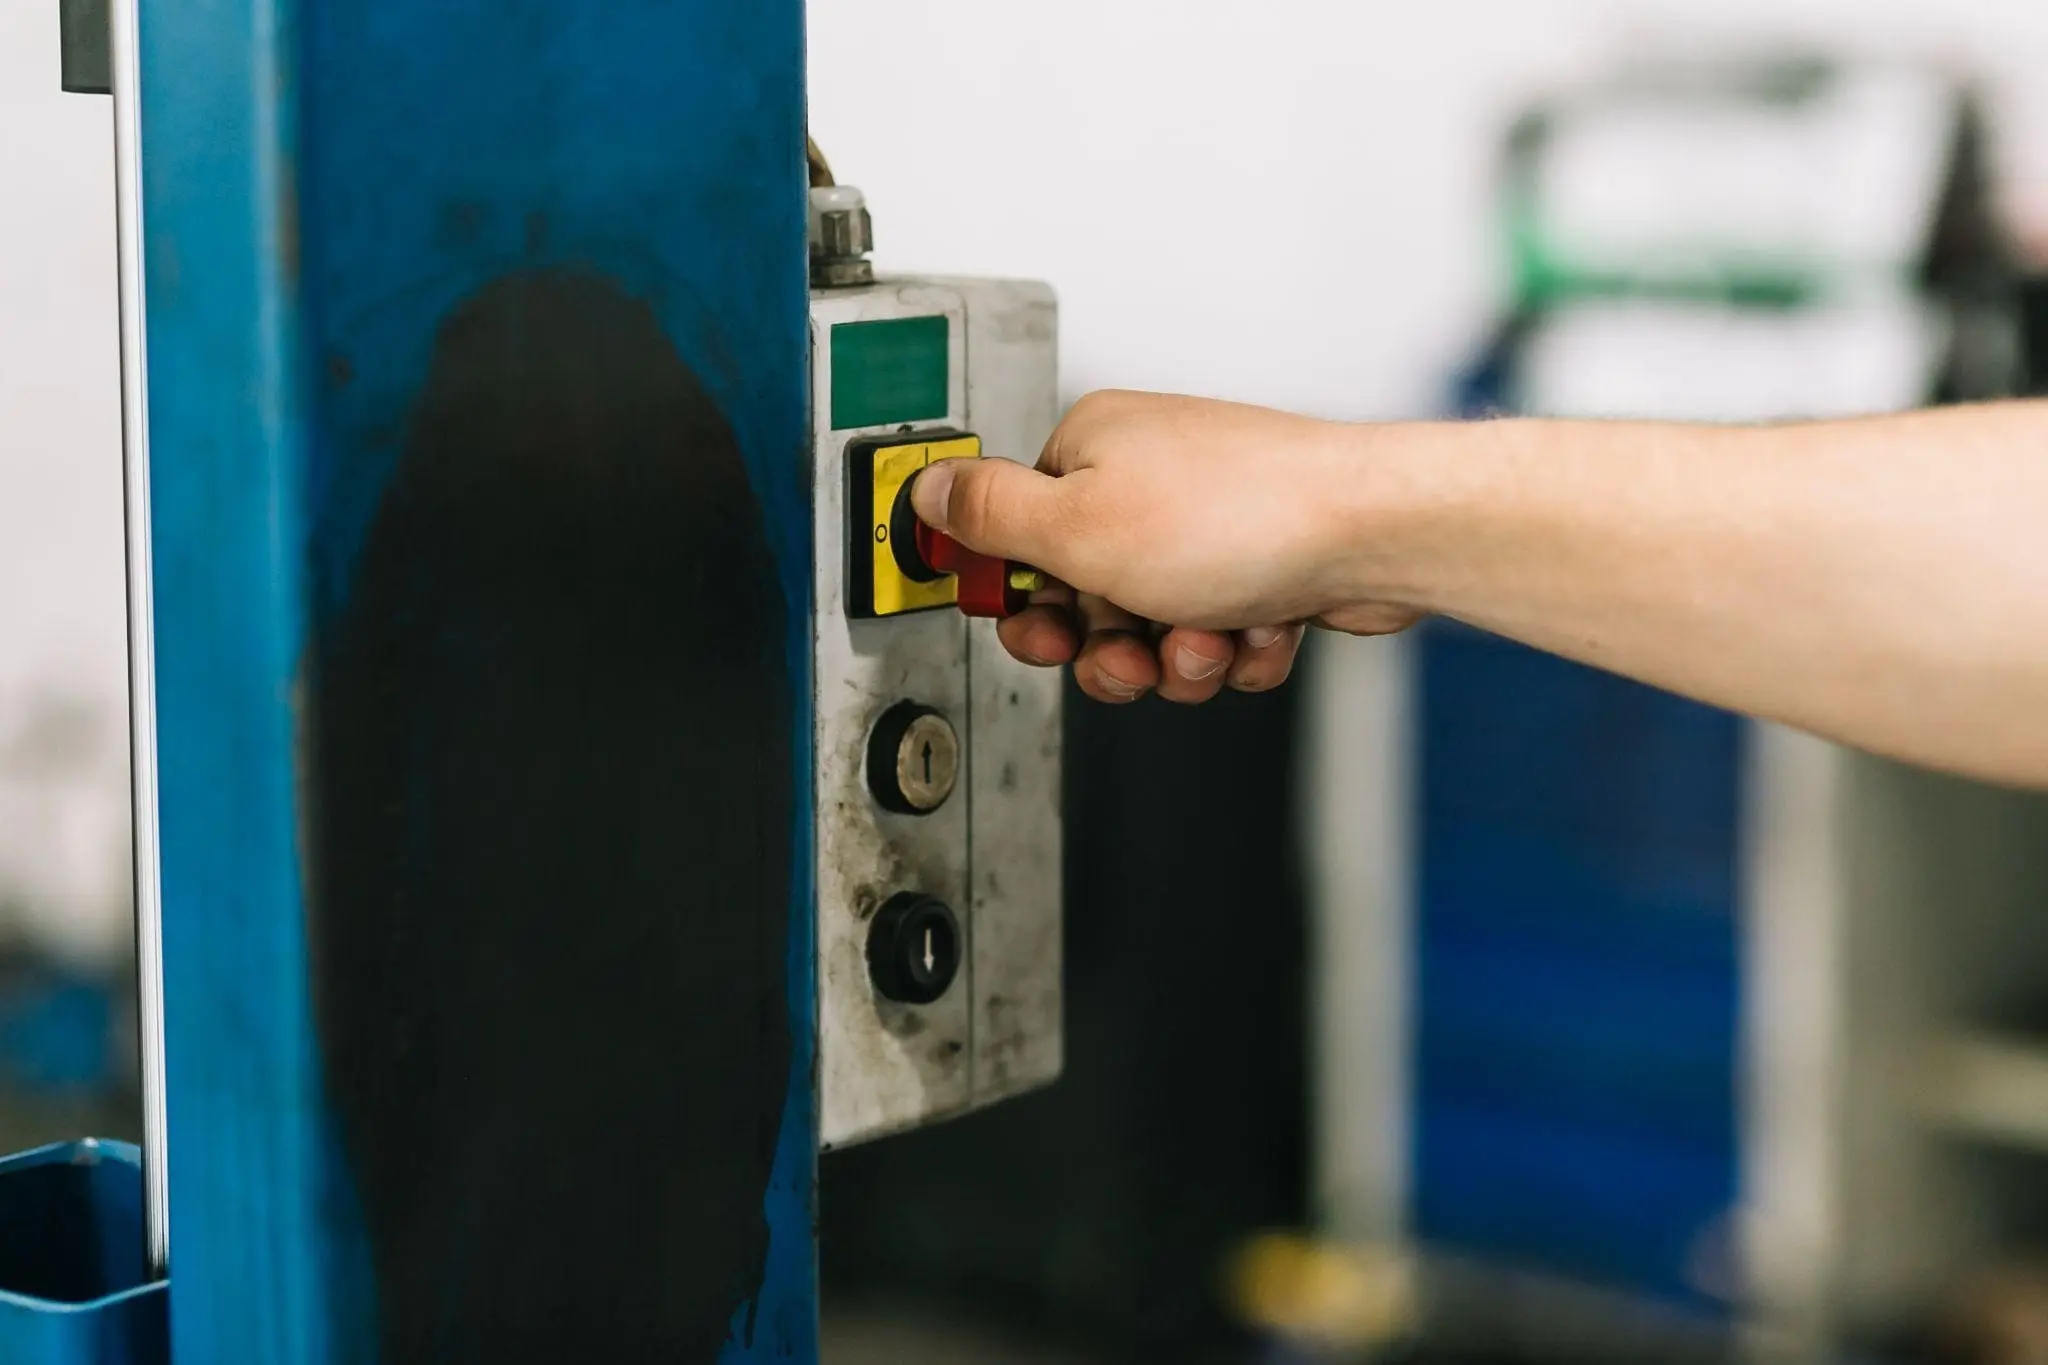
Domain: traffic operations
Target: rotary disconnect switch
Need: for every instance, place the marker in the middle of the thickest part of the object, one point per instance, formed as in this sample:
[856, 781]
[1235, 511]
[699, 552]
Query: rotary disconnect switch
[993, 588]
[913, 948]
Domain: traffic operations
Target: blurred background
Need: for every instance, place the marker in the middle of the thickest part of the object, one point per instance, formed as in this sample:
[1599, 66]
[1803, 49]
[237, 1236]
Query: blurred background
[1455, 1004]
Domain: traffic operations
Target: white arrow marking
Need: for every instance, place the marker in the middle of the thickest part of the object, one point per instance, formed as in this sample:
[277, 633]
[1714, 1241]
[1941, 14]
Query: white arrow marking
[929, 958]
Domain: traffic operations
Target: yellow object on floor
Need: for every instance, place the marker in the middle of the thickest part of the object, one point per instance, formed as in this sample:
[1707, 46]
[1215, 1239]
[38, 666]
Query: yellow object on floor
[1318, 1292]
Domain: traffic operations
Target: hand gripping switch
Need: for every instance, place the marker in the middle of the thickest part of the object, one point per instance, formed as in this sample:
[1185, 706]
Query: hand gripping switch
[994, 588]
[906, 565]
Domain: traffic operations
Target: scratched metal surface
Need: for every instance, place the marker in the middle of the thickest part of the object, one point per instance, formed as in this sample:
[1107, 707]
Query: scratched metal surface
[883, 1067]
[1016, 839]
[482, 578]
[993, 850]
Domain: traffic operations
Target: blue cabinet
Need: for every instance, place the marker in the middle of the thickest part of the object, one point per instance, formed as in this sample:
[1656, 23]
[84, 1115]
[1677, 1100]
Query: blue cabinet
[1577, 967]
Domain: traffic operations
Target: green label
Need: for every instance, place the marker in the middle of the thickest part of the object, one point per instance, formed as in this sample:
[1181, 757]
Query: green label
[885, 373]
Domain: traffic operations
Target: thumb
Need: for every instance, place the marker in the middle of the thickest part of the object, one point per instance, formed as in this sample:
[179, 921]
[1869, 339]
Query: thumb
[992, 506]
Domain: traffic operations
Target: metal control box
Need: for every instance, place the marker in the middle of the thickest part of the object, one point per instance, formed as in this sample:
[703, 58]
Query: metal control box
[937, 764]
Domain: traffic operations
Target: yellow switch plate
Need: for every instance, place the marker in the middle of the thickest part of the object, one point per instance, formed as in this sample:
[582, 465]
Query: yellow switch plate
[878, 471]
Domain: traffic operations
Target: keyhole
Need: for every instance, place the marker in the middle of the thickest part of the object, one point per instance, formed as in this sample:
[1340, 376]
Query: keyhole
[927, 762]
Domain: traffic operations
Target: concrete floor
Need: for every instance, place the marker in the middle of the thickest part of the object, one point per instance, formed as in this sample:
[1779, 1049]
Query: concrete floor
[865, 1335]
[885, 1336]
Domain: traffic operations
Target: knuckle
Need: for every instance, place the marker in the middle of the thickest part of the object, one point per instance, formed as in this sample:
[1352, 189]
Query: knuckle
[1115, 400]
[1092, 404]
[1101, 406]
[1094, 428]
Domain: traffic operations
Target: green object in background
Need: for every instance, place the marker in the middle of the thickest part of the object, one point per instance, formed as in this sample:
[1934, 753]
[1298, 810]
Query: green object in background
[1548, 273]
[1549, 268]
[888, 372]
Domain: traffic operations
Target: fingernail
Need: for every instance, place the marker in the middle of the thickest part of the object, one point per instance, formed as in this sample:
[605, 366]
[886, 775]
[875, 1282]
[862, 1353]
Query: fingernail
[932, 492]
[1263, 637]
[1116, 686]
[1194, 667]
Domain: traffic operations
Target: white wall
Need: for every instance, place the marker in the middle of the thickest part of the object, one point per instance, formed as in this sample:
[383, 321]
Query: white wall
[1284, 201]
[1278, 200]
[63, 743]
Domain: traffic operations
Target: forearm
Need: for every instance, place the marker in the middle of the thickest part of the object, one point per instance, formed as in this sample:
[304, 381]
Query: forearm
[1882, 582]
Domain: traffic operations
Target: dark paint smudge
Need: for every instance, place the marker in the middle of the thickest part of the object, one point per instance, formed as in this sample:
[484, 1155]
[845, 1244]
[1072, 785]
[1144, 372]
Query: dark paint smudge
[549, 767]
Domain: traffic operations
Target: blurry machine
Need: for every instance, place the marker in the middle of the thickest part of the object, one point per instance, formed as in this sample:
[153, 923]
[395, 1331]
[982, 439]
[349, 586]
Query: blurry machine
[570, 790]
[1659, 1031]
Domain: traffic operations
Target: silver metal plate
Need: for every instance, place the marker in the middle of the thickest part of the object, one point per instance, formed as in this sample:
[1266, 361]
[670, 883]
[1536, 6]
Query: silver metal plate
[126, 80]
[991, 849]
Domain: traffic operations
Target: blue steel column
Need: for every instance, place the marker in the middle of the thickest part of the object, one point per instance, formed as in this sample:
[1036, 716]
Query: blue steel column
[476, 403]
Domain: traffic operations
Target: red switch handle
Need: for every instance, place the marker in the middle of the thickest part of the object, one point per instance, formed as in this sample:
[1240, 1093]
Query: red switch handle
[993, 588]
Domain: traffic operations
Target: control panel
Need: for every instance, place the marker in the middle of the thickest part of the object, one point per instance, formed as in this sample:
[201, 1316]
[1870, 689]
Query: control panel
[937, 755]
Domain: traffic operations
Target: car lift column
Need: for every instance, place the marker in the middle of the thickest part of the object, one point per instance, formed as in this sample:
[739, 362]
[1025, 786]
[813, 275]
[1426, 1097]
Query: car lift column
[476, 348]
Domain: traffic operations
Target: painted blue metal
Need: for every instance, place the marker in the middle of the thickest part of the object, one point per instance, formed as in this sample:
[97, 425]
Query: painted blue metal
[1577, 968]
[73, 1288]
[1577, 955]
[58, 1033]
[326, 183]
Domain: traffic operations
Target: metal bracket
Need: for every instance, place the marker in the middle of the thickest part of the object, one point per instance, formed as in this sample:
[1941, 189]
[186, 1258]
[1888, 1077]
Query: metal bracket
[85, 38]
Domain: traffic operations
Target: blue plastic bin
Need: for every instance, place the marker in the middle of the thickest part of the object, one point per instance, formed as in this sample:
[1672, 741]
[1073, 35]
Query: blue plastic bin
[74, 1288]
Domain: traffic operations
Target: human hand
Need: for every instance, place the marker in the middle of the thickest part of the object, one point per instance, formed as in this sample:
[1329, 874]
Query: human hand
[1191, 540]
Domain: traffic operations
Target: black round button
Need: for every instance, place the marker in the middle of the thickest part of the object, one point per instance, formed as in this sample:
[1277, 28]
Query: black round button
[903, 538]
[913, 948]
